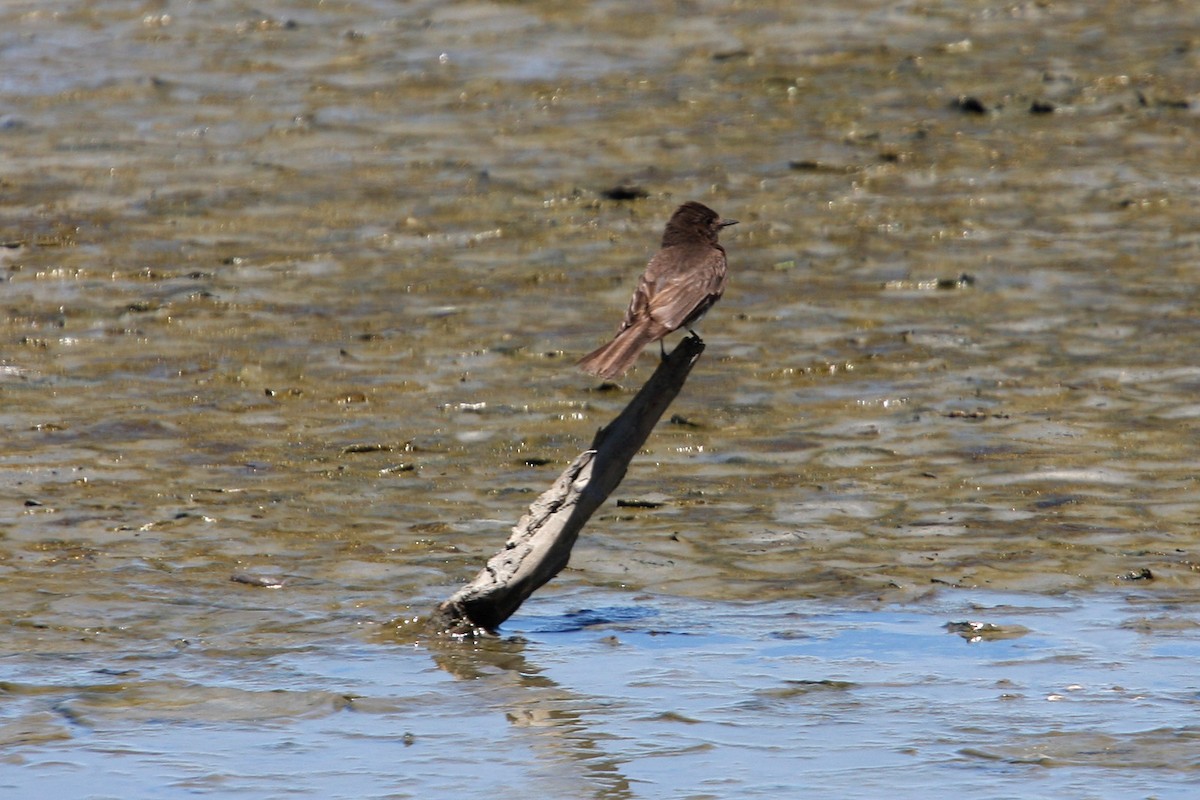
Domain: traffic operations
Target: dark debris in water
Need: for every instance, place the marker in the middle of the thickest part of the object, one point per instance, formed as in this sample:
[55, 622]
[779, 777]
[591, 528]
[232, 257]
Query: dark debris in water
[976, 414]
[257, 580]
[1149, 101]
[813, 165]
[624, 191]
[964, 280]
[800, 688]
[729, 55]
[969, 104]
[116, 673]
[1057, 501]
[580, 619]
[536, 461]
[1143, 574]
[985, 631]
[367, 448]
[640, 502]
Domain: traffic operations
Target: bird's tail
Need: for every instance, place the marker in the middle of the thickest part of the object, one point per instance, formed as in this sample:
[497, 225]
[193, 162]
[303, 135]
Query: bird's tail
[614, 358]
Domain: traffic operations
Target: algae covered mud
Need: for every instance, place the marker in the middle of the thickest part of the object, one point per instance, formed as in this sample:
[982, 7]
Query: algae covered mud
[292, 293]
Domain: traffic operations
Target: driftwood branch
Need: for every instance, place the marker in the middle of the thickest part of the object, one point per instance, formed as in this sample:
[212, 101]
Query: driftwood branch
[540, 544]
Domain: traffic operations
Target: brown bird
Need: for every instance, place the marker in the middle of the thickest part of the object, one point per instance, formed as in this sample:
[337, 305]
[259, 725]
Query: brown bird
[679, 285]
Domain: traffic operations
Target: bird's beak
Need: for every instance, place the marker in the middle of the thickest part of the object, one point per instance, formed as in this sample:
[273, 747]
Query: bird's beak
[725, 223]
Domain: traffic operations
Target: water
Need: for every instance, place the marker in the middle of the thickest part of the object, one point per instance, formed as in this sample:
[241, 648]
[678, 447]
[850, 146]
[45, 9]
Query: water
[654, 696]
[292, 294]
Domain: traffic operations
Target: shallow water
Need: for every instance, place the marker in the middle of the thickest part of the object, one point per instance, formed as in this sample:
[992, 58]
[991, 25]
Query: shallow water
[1056, 697]
[292, 293]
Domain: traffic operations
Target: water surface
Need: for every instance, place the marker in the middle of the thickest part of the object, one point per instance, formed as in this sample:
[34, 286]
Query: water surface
[291, 293]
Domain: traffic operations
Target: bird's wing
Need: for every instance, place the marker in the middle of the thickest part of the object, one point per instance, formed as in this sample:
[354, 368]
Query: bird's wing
[675, 298]
[640, 304]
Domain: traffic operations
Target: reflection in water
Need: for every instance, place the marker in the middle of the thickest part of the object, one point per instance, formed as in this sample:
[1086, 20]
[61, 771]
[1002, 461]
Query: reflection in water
[499, 675]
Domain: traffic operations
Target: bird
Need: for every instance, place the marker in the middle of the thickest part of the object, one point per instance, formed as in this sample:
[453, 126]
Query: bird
[680, 284]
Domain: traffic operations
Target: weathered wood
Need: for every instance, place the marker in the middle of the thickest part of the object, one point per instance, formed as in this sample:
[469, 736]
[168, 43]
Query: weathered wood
[540, 544]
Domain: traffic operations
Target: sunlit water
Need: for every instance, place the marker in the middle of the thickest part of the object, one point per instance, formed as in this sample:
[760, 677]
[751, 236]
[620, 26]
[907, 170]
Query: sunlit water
[291, 295]
[649, 697]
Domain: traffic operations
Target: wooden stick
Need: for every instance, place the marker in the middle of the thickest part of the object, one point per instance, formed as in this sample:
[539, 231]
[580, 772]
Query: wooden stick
[540, 544]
